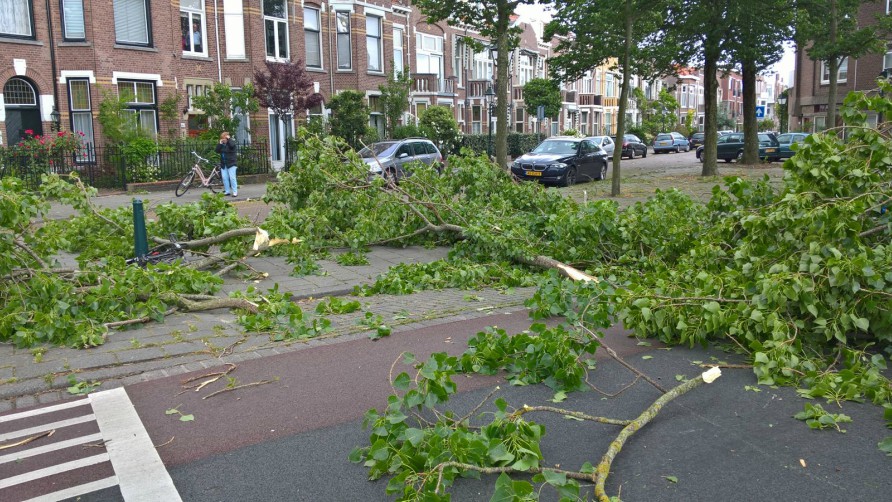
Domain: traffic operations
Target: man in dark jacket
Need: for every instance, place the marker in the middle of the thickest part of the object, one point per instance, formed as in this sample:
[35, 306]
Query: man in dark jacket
[227, 150]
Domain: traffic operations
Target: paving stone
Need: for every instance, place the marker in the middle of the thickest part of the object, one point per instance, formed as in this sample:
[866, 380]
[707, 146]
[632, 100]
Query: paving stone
[25, 402]
[52, 397]
[178, 349]
[136, 355]
[6, 405]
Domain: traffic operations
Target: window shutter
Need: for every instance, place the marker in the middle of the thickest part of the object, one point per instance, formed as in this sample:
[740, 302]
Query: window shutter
[314, 51]
[73, 13]
[130, 22]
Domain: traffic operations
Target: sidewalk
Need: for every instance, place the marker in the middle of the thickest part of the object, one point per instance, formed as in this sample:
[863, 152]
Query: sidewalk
[191, 341]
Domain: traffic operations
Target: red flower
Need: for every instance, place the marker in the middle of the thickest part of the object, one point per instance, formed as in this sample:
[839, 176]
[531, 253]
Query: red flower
[42, 141]
[29, 132]
[61, 133]
[82, 134]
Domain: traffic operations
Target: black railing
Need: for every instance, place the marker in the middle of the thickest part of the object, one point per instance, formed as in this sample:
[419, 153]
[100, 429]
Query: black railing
[114, 166]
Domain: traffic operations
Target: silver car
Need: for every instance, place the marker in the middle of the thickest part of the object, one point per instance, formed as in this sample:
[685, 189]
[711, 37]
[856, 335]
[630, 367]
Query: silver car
[392, 159]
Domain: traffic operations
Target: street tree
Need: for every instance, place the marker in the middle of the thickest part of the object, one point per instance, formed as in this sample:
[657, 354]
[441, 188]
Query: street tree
[223, 106]
[757, 44]
[542, 92]
[629, 33]
[349, 117]
[394, 98]
[438, 124]
[832, 33]
[286, 88]
[492, 20]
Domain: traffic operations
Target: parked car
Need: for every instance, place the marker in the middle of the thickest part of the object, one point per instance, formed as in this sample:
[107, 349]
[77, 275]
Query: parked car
[562, 160]
[671, 142]
[697, 139]
[730, 147]
[605, 142]
[393, 159]
[633, 146]
[725, 132]
[785, 141]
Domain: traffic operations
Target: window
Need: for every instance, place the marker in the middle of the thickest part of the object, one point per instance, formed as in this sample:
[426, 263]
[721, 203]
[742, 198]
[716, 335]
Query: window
[887, 59]
[841, 75]
[234, 29]
[192, 26]
[81, 116]
[275, 20]
[429, 54]
[583, 124]
[242, 133]
[611, 88]
[518, 118]
[132, 22]
[16, 19]
[525, 67]
[373, 43]
[193, 90]
[483, 66]
[476, 118]
[140, 99]
[73, 20]
[313, 38]
[398, 57]
[345, 56]
[588, 83]
[820, 123]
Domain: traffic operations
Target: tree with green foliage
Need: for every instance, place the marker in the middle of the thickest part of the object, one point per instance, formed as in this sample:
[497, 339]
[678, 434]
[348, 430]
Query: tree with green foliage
[438, 125]
[594, 33]
[394, 98]
[349, 117]
[757, 44]
[660, 114]
[222, 106]
[542, 92]
[830, 32]
[767, 124]
[492, 19]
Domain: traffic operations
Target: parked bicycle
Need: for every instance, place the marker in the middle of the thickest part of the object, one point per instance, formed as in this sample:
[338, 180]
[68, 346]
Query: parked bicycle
[165, 253]
[213, 181]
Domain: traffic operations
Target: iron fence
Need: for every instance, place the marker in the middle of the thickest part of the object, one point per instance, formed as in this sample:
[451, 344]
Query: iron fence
[114, 166]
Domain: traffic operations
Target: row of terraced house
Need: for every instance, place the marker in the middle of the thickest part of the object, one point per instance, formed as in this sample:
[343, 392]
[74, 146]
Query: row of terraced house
[61, 57]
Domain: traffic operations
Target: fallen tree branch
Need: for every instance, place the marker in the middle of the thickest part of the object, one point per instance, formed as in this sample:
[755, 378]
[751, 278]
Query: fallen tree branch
[207, 241]
[27, 249]
[228, 389]
[575, 414]
[603, 468]
[213, 378]
[28, 440]
[612, 353]
[141, 320]
[166, 442]
[499, 470]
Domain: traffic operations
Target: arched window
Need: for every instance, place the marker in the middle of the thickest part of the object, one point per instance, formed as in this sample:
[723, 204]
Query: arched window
[18, 91]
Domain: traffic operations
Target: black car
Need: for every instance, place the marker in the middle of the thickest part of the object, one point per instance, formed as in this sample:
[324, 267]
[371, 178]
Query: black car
[562, 160]
[697, 139]
[633, 146]
[730, 147]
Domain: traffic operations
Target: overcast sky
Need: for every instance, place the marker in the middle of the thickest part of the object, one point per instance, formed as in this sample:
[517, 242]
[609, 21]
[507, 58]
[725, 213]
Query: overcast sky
[784, 67]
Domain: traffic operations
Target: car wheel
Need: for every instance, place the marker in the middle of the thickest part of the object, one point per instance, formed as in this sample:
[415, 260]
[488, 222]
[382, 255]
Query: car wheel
[739, 156]
[632, 154]
[390, 176]
[569, 177]
[728, 161]
[644, 154]
[603, 175]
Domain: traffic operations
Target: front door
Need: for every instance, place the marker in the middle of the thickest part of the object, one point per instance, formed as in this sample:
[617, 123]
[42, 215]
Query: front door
[22, 110]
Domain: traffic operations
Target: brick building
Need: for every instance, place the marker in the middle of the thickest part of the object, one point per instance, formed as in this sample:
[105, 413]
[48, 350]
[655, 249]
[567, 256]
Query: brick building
[809, 95]
[62, 58]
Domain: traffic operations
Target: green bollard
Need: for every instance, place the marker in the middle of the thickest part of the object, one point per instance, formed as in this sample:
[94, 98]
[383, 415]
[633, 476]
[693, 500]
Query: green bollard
[140, 241]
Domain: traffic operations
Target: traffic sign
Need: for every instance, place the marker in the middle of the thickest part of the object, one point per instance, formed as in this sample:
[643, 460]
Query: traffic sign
[760, 112]
[540, 112]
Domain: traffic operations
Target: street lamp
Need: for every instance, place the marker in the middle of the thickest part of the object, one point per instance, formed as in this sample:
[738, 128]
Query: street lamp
[884, 75]
[782, 101]
[489, 97]
[56, 117]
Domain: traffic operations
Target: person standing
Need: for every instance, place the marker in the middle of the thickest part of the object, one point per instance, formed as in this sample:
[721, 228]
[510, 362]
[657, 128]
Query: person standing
[227, 150]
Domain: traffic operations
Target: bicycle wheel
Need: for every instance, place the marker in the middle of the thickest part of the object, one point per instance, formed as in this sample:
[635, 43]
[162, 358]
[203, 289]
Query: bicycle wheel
[215, 183]
[185, 185]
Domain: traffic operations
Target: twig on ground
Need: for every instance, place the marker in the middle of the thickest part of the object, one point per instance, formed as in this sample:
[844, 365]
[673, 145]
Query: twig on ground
[166, 442]
[628, 366]
[227, 389]
[28, 440]
[140, 320]
[212, 377]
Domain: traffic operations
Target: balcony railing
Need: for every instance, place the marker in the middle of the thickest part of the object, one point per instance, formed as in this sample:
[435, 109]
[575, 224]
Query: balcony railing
[477, 88]
[568, 96]
[590, 100]
[431, 83]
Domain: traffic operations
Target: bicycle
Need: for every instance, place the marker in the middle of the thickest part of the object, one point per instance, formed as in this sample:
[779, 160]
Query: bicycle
[214, 181]
[165, 253]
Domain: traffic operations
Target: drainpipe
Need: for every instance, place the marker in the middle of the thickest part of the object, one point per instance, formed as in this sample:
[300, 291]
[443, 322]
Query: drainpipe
[331, 67]
[217, 40]
[52, 34]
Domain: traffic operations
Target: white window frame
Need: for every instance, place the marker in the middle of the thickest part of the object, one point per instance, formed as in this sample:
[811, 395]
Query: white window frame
[193, 14]
[7, 25]
[316, 32]
[372, 39]
[142, 109]
[841, 77]
[399, 41]
[275, 54]
[344, 33]
[72, 14]
[483, 67]
[88, 138]
[525, 68]
[126, 17]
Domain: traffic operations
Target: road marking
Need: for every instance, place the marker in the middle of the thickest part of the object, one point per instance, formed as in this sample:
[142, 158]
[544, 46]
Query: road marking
[47, 427]
[140, 472]
[56, 469]
[41, 411]
[12, 457]
[77, 491]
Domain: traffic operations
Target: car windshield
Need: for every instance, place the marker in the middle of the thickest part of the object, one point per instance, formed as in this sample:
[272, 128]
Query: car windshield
[785, 138]
[376, 149]
[564, 147]
[698, 135]
[629, 137]
[663, 136]
[765, 139]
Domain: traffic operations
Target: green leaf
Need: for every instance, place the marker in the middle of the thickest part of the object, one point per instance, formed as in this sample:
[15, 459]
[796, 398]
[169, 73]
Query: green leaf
[402, 381]
[644, 344]
[647, 357]
[559, 397]
[555, 478]
[671, 479]
[187, 418]
[172, 411]
[886, 445]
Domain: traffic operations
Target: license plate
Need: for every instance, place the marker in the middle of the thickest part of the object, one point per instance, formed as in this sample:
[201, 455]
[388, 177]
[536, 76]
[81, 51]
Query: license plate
[770, 150]
[664, 142]
[534, 173]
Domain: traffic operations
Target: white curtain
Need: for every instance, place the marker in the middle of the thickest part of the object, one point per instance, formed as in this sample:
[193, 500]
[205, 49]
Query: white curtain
[15, 17]
[130, 22]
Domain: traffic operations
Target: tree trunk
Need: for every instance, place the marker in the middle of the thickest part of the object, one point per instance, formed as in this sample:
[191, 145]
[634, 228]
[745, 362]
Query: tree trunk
[834, 67]
[623, 103]
[502, 85]
[750, 125]
[710, 126]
